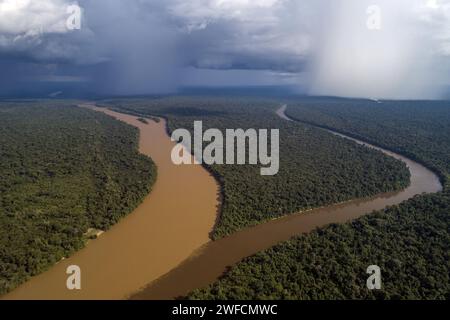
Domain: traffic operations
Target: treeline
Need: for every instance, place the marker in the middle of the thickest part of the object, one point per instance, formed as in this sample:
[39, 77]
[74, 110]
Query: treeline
[63, 170]
[316, 168]
[417, 129]
[410, 242]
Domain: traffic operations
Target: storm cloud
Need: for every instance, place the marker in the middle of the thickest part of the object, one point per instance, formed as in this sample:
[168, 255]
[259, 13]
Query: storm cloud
[156, 46]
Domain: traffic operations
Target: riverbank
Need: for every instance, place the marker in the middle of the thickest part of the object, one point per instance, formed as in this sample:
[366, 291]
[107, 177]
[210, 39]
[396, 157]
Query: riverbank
[159, 235]
[212, 260]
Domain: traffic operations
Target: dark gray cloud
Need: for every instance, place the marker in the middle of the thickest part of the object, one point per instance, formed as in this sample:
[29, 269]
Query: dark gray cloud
[149, 46]
[123, 47]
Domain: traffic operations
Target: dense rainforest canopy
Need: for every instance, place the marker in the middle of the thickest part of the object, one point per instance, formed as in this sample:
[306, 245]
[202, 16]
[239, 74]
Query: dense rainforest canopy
[63, 170]
[410, 242]
[417, 129]
[316, 168]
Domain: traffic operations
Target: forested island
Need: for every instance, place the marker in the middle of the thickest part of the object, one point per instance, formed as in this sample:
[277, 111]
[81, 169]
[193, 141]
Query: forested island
[316, 167]
[66, 173]
[410, 242]
[418, 129]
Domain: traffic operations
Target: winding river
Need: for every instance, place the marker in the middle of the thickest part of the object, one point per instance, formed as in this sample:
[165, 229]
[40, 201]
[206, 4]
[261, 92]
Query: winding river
[171, 223]
[170, 231]
[211, 261]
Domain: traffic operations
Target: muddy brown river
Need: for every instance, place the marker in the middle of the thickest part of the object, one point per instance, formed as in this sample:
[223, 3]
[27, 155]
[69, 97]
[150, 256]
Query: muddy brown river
[211, 261]
[153, 247]
[172, 222]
